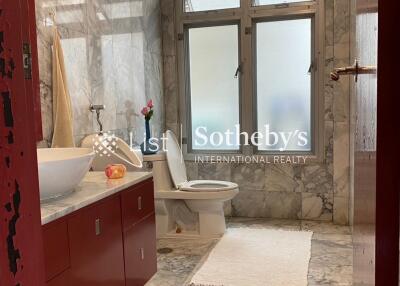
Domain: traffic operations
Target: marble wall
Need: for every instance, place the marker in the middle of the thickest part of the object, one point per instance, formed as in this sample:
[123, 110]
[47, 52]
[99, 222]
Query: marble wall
[113, 56]
[315, 191]
[120, 54]
[341, 111]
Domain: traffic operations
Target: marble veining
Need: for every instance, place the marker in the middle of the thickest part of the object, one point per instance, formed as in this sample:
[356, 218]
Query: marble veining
[341, 111]
[94, 187]
[316, 190]
[113, 56]
[331, 260]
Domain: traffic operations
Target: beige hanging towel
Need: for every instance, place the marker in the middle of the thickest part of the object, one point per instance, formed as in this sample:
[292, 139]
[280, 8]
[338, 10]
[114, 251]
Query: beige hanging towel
[62, 108]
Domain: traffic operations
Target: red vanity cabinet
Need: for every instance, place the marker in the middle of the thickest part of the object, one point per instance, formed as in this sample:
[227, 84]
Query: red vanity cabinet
[140, 252]
[56, 250]
[96, 246]
[137, 203]
[139, 234]
[62, 280]
[111, 242]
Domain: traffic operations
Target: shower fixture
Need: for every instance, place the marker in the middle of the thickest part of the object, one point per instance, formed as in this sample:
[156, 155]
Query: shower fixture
[355, 70]
[98, 109]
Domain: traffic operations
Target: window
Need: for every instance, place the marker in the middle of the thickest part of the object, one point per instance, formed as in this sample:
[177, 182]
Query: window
[249, 76]
[206, 5]
[274, 2]
[284, 84]
[214, 90]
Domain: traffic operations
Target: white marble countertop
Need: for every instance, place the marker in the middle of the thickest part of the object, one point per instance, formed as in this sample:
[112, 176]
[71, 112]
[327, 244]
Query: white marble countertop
[94, 187]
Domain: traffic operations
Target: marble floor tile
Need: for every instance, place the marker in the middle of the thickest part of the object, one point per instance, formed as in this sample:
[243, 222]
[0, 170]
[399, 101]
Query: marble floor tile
[324, 227]
[186, 246]
[175, 267]
[331, 275]
[331, 260]
[165, 278]
[345, 238]
[330, 253]
[330, 264]
[284, 224]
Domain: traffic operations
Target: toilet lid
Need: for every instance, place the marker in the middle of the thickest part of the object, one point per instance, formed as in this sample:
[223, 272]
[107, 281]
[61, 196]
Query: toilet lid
[175, 160]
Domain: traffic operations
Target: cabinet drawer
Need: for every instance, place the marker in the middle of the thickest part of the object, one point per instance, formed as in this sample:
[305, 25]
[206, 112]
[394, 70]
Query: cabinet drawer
[137, 203]
[96, 243]
[56, 249]
[140, 252]
[61, 280]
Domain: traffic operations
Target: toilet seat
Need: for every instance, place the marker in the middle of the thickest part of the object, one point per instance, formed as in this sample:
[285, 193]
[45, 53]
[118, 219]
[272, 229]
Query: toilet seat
[185, 195]
[176, 165]
[207, 186]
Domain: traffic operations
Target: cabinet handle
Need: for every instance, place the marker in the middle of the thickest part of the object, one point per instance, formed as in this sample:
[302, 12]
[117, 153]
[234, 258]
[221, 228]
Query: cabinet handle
[139, 203]
[142, 253]
[97, 227]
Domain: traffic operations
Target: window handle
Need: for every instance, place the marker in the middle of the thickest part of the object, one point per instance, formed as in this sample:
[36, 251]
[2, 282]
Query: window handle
[238, 70]
[310, 69]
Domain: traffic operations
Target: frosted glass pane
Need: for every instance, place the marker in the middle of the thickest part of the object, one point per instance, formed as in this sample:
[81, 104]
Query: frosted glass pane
[367, 85]
[214, 90]
[274, 2]
[284, 84]
[204, 5]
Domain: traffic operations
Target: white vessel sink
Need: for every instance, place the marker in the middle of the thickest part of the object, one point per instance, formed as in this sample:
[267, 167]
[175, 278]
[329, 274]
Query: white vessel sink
[62, 169]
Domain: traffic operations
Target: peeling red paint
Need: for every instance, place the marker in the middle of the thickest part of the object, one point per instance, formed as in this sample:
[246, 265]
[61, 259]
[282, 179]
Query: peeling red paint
[21, 247]
[13, 253]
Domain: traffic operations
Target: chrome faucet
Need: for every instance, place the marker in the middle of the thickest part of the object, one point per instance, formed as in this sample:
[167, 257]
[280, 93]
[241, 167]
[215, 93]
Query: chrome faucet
[98, 109]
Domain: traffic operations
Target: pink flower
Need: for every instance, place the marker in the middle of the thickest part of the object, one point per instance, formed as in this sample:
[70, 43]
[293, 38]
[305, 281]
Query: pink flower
[150, 104]
[145, 111]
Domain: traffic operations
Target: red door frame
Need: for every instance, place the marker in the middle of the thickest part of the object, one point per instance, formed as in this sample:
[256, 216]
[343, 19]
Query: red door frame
[29, 29]
[21, 246]
[388, 178]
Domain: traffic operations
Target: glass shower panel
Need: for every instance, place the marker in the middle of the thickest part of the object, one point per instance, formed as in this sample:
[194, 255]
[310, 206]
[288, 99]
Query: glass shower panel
[367, 85]
[124, 82]
[363, 148]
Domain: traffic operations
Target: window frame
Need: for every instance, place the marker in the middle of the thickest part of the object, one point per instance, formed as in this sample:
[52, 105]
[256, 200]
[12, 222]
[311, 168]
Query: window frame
[313, 87]
[247, 15]
[187, 84]
[207, 11]
[282, 5]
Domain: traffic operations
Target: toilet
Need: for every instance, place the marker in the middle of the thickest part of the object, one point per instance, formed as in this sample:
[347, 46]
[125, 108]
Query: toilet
[198, 202]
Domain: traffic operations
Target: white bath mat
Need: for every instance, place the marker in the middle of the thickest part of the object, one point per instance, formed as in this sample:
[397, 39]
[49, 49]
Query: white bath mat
[257, 257]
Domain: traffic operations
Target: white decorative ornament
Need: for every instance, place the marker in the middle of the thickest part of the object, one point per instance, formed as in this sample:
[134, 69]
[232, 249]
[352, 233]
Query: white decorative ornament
[105, 144]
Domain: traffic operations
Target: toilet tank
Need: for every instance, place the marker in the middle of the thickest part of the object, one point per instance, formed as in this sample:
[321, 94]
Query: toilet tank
[161, 175]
